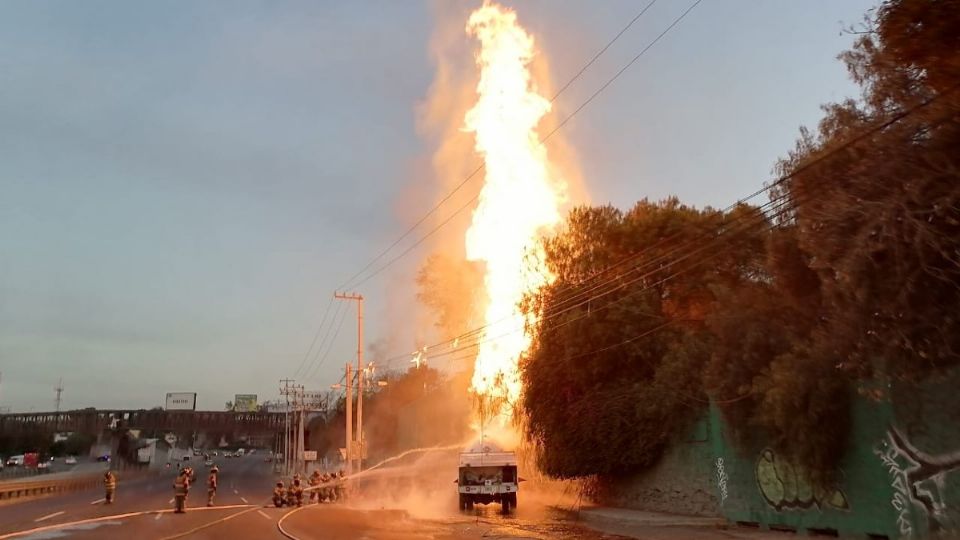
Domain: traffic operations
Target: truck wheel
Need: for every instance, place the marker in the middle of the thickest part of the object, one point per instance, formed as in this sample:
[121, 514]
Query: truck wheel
[463, 503]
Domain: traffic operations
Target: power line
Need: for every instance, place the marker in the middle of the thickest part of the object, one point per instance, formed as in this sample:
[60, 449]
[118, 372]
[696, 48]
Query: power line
[324, 341]
[350, 284]
[315, 336]
[782, 179]
[329, 345]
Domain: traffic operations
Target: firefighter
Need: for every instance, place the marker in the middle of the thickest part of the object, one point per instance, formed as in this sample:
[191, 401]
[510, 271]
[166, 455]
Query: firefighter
[314, 482]
[328, 492]
[181, 487]
[279, 494]
[109, 486]
[295, 493]
[341, 488]
[212, 485]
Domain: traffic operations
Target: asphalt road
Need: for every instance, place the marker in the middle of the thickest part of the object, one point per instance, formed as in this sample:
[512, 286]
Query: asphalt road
[143, 510]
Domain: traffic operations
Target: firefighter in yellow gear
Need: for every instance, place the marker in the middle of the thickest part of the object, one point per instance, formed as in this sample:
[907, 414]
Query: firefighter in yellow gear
[212, 485]
[279, 494]
[314, 482]
[181, 487]
[295, 493]
[109, 486]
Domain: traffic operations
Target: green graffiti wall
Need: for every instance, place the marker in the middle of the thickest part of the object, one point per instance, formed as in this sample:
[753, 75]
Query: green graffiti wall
[899, 478]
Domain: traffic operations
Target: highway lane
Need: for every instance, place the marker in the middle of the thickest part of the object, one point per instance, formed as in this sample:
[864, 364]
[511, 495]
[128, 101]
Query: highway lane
[242, 513]
[243, 481]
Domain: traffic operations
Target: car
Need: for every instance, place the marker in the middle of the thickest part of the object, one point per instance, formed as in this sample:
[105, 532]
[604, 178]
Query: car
[15, 461]
[104, 458]
[70, 460]
[186, 458]
[208, 463]
[43, 465]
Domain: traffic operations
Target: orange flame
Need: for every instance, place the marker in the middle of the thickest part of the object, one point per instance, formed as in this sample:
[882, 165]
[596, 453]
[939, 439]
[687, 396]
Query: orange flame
[519, 201]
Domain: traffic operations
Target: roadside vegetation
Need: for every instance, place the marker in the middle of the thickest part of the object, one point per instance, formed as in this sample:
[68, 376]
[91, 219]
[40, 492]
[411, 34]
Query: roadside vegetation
[777, 312]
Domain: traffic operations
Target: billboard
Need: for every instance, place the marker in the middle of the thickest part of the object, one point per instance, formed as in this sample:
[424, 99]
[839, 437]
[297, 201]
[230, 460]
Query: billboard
[181, 401]
[245, 403]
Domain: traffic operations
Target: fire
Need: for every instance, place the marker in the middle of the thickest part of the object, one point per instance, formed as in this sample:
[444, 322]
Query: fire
[519, 200]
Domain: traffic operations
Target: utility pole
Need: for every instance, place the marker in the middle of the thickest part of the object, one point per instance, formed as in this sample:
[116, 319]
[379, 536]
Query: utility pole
[301, 410]
[359, 436]
[285, 391]
[59, 390]
[349, 456]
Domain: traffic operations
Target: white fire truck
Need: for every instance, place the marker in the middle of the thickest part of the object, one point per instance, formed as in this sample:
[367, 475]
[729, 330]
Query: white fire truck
[487, 477]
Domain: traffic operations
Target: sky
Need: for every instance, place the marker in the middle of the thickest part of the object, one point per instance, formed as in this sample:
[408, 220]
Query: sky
[184, 184]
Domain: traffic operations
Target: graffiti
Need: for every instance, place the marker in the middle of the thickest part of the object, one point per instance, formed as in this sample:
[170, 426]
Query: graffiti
[785, 485]
[919, 483]
[721, 480]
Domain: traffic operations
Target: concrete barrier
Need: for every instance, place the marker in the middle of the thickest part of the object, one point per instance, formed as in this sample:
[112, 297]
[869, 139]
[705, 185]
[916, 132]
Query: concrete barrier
[23, 489]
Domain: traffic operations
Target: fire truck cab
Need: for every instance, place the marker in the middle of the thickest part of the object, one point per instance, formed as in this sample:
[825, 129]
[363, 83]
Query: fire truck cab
[486, 477]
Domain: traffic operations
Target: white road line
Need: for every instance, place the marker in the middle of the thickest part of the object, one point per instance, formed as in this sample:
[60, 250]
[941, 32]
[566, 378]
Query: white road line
[264, 515]
[53, 515]
[244, 500]
[235, 492]
[171, 501]
[158, 516]
[98, 501]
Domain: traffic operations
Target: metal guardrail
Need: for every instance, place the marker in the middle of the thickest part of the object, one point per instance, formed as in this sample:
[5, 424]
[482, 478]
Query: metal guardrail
[34, 488]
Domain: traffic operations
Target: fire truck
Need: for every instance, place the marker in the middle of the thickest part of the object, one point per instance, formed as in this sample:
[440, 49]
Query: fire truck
[487, 477]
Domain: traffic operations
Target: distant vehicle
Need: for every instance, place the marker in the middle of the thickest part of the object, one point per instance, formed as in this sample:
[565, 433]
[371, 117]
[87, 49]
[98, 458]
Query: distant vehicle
[186, 458]
[215, 454]
[15, 461]
[208, 463]
[104, 458]
[197, 452]
[487, 477]
[71, 460]
[43, 465]
[31, 459]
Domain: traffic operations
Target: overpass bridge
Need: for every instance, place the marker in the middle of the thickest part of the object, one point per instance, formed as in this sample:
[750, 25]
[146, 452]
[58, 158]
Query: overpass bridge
[260, 426]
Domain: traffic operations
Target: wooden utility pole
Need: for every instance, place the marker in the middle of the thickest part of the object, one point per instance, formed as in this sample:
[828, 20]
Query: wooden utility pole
[359, 434]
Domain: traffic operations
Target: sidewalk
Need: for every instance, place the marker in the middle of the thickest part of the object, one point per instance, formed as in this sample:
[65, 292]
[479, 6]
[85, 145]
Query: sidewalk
[661, 526]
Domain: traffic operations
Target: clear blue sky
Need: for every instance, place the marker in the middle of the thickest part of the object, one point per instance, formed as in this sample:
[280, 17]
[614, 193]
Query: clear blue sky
[183, 184]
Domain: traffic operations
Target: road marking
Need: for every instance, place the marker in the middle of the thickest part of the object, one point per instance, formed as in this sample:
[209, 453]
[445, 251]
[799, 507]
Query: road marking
[158, 516]
[264, 515]
[69, 524]
[53, 515]
[244, 500]
[171, 501]
[211, 524]
[235, 492]
[97, 501]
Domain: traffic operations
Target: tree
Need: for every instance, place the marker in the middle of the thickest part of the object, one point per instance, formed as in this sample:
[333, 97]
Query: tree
[881, 220]
[613, 371]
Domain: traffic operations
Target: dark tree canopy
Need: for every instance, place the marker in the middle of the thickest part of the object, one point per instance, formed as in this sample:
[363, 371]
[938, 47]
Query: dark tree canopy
[852, 277]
